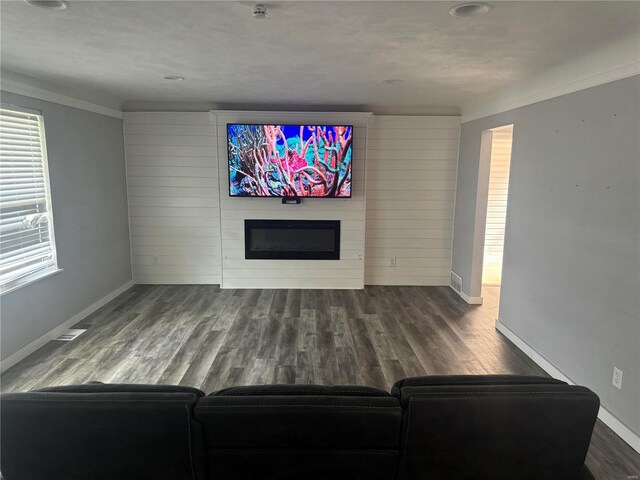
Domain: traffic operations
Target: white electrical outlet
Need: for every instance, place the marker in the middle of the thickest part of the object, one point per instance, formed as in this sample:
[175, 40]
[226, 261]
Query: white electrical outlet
[617, 378]
[392, 262]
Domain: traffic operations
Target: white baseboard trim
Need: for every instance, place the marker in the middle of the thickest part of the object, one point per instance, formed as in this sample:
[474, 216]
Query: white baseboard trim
[619, 428]
[604, 415]
[471, 300]
[467, 298]
[28, 349]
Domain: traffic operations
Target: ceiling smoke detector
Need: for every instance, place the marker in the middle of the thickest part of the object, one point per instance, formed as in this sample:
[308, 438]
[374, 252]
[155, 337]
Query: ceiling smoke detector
[259, 11]
[49, 4]
[471, 9]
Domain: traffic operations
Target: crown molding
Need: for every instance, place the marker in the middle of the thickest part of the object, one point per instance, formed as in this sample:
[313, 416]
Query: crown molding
[292, 113]
[613, 61]
[494, 108]
[19, 88]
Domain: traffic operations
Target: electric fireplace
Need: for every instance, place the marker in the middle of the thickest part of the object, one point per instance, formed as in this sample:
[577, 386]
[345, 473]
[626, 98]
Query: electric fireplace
[292, 239]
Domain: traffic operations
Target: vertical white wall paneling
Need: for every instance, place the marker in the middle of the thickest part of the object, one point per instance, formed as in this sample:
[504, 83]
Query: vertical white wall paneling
[497, 205]
[348, 272]
[172, 179]
[411, 177]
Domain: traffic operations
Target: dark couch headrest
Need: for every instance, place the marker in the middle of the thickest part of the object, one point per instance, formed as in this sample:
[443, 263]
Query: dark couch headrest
[98, 387]
[446, 380]
[303, 390]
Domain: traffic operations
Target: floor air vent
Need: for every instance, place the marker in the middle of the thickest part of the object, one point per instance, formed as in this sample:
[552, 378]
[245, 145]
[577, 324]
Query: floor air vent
[71, 334]
[456, 281]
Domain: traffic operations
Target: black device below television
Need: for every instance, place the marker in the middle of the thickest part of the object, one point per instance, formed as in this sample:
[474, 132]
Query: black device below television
[290, 161]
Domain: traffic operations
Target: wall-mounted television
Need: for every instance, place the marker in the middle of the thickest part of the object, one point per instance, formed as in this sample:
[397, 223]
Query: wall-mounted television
[290, 160]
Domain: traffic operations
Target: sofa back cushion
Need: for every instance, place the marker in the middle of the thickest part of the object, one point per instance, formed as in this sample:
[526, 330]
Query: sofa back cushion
[100, 432]
[293, 432]
[466, 430]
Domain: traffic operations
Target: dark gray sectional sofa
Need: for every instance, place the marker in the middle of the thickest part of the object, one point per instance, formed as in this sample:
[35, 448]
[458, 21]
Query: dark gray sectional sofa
[494, 427]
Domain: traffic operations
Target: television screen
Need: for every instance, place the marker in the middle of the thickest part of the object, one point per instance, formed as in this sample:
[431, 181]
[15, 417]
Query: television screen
[290, 160]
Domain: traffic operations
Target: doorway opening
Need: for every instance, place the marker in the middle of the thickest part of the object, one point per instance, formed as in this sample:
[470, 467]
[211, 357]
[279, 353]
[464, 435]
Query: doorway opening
[497, 197]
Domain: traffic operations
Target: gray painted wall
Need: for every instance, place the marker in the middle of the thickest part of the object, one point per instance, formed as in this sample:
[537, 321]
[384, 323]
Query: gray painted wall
[571, 275]
[89, 195]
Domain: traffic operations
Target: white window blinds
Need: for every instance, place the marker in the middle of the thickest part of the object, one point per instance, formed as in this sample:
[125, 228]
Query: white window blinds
[27, 243]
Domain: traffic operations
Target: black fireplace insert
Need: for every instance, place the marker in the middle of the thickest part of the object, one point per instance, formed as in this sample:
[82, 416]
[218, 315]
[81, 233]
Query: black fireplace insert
[292, 239]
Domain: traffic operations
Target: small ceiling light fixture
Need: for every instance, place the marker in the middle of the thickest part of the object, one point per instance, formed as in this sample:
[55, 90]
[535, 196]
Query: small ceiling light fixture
[259, 11]
[392, 81]
[471, 9]
[173, 78]
[49, 4]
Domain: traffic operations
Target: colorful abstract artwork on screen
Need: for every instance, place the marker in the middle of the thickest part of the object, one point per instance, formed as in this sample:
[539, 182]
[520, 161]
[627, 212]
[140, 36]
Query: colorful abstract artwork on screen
[290, 160]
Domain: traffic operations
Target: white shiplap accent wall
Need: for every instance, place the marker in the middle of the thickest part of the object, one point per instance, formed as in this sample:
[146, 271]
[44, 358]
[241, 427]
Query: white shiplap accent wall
[348, 272]
[411, 180]
[186, 229]
[172, 180]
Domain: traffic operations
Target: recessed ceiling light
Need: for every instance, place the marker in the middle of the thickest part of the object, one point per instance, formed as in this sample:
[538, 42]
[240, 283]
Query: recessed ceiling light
[471, 9]
[392, 81]
[50, 4]
[173, 78]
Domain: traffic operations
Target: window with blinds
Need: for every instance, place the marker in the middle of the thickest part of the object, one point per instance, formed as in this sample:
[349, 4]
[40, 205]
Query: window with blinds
[27, 245]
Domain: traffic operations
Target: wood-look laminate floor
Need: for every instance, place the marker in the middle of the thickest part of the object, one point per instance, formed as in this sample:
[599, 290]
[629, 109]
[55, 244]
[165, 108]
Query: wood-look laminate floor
[202, 336]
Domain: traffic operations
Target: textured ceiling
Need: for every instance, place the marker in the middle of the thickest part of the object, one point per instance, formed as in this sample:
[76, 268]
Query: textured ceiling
[323, 54]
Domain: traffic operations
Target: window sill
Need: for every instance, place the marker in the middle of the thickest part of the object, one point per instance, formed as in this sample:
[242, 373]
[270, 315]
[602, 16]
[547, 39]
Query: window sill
[32, 279]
